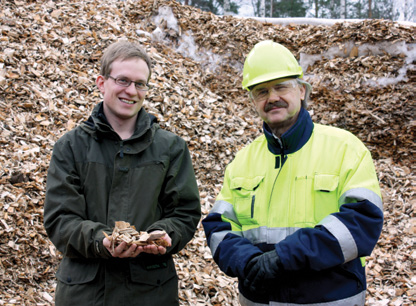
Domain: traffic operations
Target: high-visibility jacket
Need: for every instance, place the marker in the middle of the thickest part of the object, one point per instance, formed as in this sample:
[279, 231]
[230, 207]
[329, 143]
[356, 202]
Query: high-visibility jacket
[313, 197]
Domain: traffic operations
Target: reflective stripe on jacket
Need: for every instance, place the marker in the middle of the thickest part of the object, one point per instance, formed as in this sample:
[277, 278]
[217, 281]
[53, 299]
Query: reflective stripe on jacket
[313, 196]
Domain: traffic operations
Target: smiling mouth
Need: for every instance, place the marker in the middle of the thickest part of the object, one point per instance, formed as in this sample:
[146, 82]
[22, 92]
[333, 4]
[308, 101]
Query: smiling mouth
[127, 101]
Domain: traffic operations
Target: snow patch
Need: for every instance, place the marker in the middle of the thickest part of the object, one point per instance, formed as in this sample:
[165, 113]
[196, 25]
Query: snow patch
[185, 44]
[314, 21]
[166, 14]
[141, 32]
[167, 25]
[395, 49]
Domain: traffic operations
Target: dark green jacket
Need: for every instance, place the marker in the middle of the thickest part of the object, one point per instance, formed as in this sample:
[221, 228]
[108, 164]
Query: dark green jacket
[95, 179]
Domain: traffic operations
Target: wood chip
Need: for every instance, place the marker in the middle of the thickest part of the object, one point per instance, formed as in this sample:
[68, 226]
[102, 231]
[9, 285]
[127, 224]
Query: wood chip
[124, 232]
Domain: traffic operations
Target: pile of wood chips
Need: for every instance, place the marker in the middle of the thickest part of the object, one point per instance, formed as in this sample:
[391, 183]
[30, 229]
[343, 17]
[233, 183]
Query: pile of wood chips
[49, 59]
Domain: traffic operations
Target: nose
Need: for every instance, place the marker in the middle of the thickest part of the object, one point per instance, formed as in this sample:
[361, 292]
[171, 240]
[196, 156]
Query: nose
[131, 89]
[273, 94]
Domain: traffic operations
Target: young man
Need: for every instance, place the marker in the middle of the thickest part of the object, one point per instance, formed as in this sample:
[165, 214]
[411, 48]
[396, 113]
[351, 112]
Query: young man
[300, 206]
[120, 165]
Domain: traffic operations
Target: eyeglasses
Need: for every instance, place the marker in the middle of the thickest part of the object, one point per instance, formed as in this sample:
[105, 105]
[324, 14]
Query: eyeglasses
[261, 94]
[124, 82]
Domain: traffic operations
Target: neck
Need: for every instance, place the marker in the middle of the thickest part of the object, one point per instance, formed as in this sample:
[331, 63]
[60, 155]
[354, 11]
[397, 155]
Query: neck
[279, 130]
[124, 134]
[124, 130]
[293, 139]
[123, 127]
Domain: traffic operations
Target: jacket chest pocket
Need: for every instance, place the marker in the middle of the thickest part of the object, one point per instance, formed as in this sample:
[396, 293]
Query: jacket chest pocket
[315, 198]
[325, 195]
[244, 190]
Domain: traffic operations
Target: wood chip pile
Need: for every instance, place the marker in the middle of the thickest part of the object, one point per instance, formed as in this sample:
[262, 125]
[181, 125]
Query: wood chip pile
[363, 76]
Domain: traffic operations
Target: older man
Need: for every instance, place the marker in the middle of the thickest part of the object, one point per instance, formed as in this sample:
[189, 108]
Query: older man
[300, 207]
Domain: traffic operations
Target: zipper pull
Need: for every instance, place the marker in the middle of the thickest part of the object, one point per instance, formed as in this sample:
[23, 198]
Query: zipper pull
[277, 162]
[121, 150]
[252, 206]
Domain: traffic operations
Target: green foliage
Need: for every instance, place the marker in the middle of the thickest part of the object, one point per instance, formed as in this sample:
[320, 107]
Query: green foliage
[282, 8]
[354, 9]
[288, 8]
[382, 9]
[214, 6]
[379, 9]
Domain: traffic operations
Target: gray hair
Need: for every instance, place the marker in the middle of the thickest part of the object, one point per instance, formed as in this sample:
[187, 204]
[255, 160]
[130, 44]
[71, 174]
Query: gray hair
[308, 88]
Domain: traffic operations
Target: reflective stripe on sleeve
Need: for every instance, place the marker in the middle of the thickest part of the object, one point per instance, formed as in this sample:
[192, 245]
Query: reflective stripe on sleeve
[356, 300]
[224, 208]
[343, 235]
[361, 194]
[268, 235]
[257, 235]
[216, 239]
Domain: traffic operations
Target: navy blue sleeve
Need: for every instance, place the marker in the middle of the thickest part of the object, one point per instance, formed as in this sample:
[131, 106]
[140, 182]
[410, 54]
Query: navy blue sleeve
[318, 248]
[230, 251]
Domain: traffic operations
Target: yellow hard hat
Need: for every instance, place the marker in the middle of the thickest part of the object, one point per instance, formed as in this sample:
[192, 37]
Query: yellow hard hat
[268, 61]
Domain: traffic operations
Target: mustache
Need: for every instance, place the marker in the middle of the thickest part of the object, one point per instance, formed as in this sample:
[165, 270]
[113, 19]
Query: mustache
[269, 106]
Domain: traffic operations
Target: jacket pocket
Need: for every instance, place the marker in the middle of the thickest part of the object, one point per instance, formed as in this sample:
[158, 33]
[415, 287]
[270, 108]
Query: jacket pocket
[315, 198]
[73, 271]
[245, 198]
[152, 269]
[355, 271]
[325, 191]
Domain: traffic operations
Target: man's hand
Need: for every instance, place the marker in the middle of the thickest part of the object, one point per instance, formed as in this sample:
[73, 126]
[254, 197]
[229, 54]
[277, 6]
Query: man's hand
[154, 249]
[261, 268]
[123, 251]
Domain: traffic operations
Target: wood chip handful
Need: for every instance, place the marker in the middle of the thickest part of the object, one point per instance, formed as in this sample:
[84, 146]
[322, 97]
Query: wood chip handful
[124, 232]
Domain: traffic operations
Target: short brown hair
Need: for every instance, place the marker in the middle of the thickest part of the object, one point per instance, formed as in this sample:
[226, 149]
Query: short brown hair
[123, 50]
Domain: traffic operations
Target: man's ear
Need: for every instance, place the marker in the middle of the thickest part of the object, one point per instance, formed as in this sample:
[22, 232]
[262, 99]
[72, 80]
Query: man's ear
[100, 83]
[302, 91]
[250, 97]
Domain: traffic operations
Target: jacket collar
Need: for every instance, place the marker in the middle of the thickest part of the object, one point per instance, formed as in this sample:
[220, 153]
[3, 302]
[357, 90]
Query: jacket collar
[98, 124]
[292, 140]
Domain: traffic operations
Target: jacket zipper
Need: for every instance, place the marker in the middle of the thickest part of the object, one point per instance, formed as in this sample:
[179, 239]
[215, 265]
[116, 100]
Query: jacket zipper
[253, 198]
[121, 149]
[279, 162]
[280, 158]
